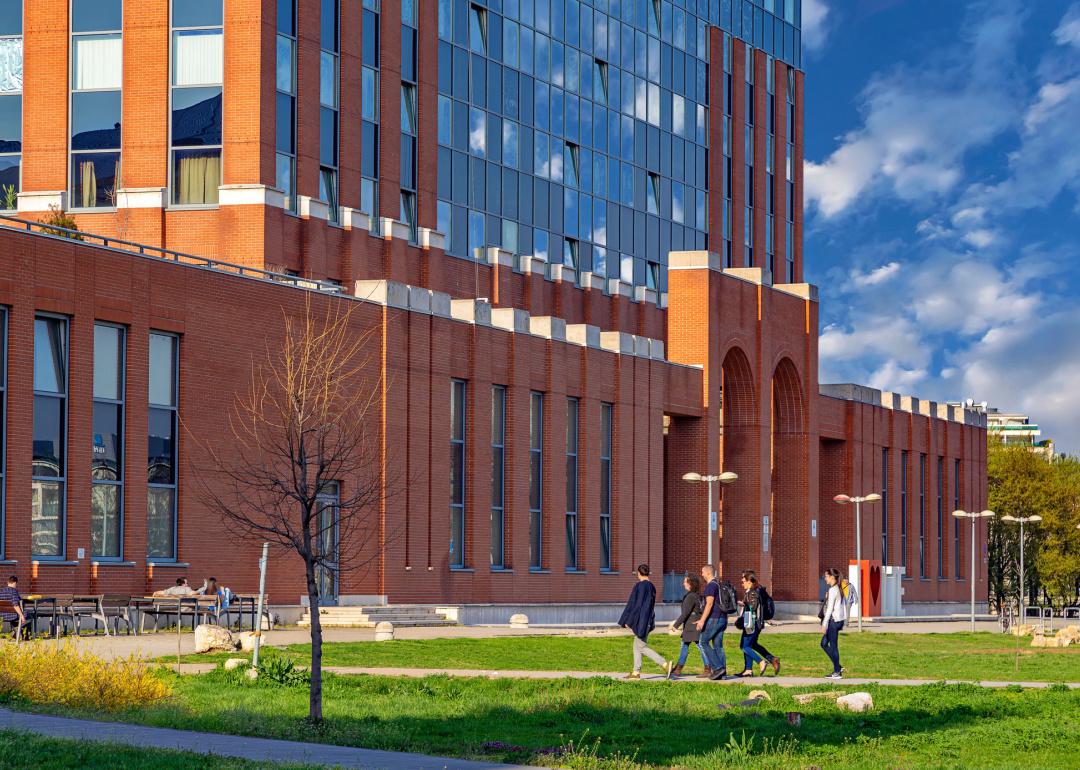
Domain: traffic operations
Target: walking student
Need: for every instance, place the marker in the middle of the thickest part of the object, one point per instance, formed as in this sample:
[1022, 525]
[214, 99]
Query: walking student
[689, 614]
[638, 616]
[834, 614]
[756, 609]
[713, 623]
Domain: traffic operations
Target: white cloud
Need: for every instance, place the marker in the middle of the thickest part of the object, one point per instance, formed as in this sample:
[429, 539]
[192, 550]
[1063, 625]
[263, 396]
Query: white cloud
[877, 276]
[815, 24]
[1068, 31]
[919, 122]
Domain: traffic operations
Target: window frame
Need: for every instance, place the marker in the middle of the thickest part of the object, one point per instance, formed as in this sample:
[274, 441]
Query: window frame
[941, 517]
[573, 482]
[607, 451]
[905, 481]
[922, 516]
[61, 478]
[957, 529]
[536, 481]
[459, 444]
[3, 428]
[20, 96]
[332, 199]
[498, 466]
[291, 198]
[175, 485]
[121, 405]
[884, 505]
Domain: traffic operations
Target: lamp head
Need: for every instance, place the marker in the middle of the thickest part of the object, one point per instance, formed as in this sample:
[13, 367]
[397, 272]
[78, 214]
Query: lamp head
[691, 477]
[842, 499]
[961, 514]
[1009, 517]
[1036, 517]
[987, 514]
[728, 476]
[873, 497]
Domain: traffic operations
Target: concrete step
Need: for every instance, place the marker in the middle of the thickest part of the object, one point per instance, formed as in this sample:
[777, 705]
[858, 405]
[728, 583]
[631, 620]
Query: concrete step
[403, 616]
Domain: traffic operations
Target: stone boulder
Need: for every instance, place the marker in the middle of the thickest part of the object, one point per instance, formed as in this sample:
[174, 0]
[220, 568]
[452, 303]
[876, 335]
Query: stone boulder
[1041, 640]
[246, 640]
[1071, 633]
[809, 697]
[519, 620]
[210, 638]
[758, 695]
[384, 631]
[856, 701]
[1022, 629]
[232, 663]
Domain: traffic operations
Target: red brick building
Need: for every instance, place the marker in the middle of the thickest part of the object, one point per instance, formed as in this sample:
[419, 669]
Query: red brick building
[583, 282]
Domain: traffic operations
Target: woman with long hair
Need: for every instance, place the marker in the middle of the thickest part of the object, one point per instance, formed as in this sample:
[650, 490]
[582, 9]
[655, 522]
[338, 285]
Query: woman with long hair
[752, 622]
[833, 616]
[689, 615]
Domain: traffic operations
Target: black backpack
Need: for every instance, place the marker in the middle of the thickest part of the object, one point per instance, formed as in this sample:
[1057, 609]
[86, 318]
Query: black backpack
[729, 602]
[768, 606]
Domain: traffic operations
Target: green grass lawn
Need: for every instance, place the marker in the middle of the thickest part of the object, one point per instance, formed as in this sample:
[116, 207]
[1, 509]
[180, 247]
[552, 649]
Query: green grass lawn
[23, 750]
[981, 656]
[620, 725]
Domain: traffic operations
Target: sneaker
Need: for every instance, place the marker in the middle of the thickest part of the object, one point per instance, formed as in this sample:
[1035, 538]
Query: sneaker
[718, 675]
[634, 675]
[667, 669]
[835, 675]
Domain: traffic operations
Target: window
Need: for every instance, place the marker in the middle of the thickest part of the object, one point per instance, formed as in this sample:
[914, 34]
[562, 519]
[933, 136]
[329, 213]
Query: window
[196, 119]
[922, 516]
[904, 509]
[96, 80]
[107, 462]
[3, 429]
[536, 480]
[48, 502]
[162, 450]
[498, 476]
[369, 111]
[478, 29]
[941, 518]
[572, 406]
[328, 506]
[286, 102]
[11, 86]
[408, 158]
[328, 109]
[884, 506]
[606, 411]
[457, 474]
[957, 557]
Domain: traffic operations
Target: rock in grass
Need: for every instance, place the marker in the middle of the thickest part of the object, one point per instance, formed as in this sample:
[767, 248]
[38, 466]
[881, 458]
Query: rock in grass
[232, 663]
[810, 697]
[856, 701]
[252, 674]
[384, 631]
[758, 695]
[519, 620]
[246, 640]
[210, 638]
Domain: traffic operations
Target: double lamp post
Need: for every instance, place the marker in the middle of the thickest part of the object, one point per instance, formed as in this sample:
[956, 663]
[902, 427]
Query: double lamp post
[723, 479]
[858, 501]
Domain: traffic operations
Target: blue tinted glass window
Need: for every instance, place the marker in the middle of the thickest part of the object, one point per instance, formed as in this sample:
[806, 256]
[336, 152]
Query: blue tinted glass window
[94, 15]
[197, 13]
[196, 116]
[95, 120]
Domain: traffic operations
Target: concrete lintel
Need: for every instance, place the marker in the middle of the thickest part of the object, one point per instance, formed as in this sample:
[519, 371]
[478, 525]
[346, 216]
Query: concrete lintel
[694, 260]
[475, 311]
[617, 342]
[656, 349]
[510, 318]
[802, 290]
[312, 208]
[250, 195]
[616, 287]
[419, 299]
[38, 201]
[549, 327]
[431, 239]
[440, 304]
[493, 255]
[142, 198]
[583, 334]
[758, 275]
[388, 293]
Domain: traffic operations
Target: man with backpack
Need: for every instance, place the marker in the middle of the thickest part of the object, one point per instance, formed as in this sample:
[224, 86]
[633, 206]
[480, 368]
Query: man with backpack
[719, 603]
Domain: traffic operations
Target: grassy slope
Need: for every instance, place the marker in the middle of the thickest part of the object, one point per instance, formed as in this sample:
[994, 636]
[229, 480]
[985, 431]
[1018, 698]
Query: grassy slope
[907, 656]
[659, 723]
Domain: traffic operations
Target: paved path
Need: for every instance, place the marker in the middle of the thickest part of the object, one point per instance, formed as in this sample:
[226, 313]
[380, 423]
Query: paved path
[258, 749]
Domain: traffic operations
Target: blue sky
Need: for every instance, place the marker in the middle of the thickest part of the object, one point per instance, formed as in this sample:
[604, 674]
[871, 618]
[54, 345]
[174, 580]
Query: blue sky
[943, 199]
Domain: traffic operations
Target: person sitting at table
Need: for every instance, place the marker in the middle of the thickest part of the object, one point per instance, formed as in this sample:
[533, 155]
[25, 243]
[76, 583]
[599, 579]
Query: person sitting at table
[180, 589]
[11, 603]
[210, 587]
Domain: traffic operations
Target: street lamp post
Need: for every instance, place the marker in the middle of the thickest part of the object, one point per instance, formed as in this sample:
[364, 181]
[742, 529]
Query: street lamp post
[724, 478]
[974, 516]
[844, 500]
[1022, 520]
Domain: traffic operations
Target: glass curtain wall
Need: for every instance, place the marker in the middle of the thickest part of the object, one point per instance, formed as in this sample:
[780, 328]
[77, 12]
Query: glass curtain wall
[457, 474]
[286, 102]
[329, 96]
[408, 116]
[572, 409]
[536, 481]
[370, 79]
[11, 86]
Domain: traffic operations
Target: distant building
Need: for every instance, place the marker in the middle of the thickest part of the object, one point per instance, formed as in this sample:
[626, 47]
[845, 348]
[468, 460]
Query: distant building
[1014, 429]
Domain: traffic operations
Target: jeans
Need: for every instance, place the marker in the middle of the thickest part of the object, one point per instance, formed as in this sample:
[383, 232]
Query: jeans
[752, 651]
[641, 648]
[686, 651]
[712, 643]
[830, 642]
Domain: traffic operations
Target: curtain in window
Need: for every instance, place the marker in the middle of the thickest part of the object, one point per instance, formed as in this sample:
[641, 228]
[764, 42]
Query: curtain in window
[11, 64]
[197, 58]
[200, 177]
[88, 184]
[98, 62]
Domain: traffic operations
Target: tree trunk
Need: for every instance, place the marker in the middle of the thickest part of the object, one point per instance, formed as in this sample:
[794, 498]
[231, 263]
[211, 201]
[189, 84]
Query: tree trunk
[315, 712]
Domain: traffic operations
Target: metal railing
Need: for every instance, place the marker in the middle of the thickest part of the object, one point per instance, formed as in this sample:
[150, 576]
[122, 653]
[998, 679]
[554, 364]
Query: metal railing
[167, 255]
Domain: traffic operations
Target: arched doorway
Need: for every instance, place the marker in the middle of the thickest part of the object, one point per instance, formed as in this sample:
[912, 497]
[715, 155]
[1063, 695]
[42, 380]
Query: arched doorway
[788, 525]
[740, 532]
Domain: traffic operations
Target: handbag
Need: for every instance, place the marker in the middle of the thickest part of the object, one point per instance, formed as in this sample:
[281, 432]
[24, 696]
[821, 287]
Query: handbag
[739, 624]
[821, 610]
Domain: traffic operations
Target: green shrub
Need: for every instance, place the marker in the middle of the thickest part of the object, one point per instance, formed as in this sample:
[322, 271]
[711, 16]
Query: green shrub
[282, 671]
[9, 198]
[57, 218]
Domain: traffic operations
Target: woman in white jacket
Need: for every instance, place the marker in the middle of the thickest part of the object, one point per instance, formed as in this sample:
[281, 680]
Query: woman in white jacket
[833, 616]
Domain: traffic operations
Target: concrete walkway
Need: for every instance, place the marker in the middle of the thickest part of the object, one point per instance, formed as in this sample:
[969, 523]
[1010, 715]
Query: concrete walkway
[257, 749]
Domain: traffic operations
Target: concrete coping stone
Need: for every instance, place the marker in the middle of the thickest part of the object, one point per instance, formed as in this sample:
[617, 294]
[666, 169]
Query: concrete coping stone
[511, 318]
[312, 208]
[806, 291]
[549, 327]
[431, 239]
[475, 311]
[493, 255]
[909, 404]
[440, 304]
[758, 275]
[246, 195]
[354, 219]
[617, 342]
[616, 287]
[890, 400]
[694, 260]
[389, 293]
[557, 272]
[945, 411]
[656, 349]
[588, 280]
[583, 334]
[42, 200]
[419, 299]
[529, 264]
[662, 300]
[641, 347]
[928, 408]
[143, 198]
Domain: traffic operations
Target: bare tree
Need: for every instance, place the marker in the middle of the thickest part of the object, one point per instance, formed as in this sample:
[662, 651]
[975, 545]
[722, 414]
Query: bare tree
[307, 425]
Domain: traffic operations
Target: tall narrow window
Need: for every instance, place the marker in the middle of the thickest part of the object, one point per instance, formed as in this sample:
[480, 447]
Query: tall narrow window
[197, 77]
[941, 518]
[606, 411]
[11, 86]
[370, 59]
[536, 480]
[107, 462]
[162, 447]
[48, 502]
[286, 101]
[922, 516]
[789, 245]
[884, 506]
[572, 406]
[329, 541]
[3, 431]
[498, 476]
[904, 509]
[96, 80]
[457, 473]
[958, 559]
[328, 109]
[408, 119]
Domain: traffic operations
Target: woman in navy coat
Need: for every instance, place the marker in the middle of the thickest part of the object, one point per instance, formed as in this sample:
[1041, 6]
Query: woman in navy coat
[639, 618]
